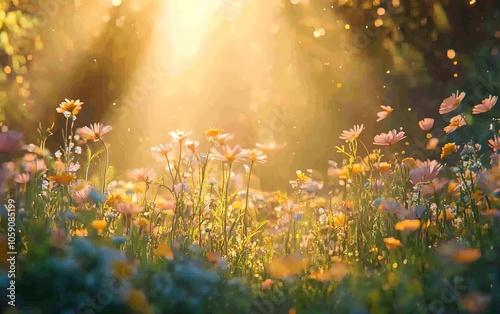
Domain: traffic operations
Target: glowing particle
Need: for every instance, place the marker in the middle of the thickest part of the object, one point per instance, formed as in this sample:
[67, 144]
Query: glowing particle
[339, 85]
[403, 152]
[388, 72]
[380, 11]
[378, 22]
[395, 3]
[455, 75]
[294, 1]
[7, 70]
[29, 57]
[405, 261]
[428, 135]
[395, 265]
[407, 143]
[347, 26]
[19, 79]
[116, 2]
[409, 109]
[455, 62]
[450, 54]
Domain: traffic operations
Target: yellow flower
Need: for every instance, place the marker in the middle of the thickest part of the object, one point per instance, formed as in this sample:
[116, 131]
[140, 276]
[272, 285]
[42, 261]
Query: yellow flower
[237, 205]
[286, 267]
[408, 225]
[339, 220]
[122, 269]
[449, 214]
[81, 232]
[301, 176]
[357, 169]
[392, 243]
[99, 224]
[448, 149]
[141, 222]
[409, 162]
[138, 302]
[344, 174]
[165, 251]
[71, 106]
[114, 199]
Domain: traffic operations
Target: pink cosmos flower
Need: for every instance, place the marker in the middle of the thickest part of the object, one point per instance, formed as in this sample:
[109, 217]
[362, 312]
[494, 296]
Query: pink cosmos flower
[388, 139]
[426, 124]
[179, 136]
[10, 141]
[255, 156]
[386, 111]
[485, 106]
[34, 166]
[161, 151]
[352, 134]
[143, 174]
[95, 132]
[80, 191]
[22, 178]
[192, 145]
[228, 154]
[425, 171]
[451, 103]
[455, 123]
[129, 209]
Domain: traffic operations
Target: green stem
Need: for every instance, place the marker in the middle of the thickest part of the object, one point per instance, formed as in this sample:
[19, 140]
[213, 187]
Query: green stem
[245, 222]
[105, 165]
[226, 207]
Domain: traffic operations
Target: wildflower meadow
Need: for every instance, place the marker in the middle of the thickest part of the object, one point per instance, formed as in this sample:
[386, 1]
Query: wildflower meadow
[380, 232]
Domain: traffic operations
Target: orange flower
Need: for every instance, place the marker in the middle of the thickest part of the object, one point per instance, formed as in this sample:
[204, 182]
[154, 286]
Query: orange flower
[392, 243]
[467, 255]
[382, 166]
[357, 169]
[213, 133]
[448, 149]
[99, 224]
[73, 107]
[63, 179]
[266, 284]
[408, 225]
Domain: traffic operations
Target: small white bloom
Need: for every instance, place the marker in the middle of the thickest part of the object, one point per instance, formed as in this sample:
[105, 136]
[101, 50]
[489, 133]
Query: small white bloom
[30, 148]
[322, 219]
[67, 114]
[78, 150]
[321, 211]
[58, 154]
